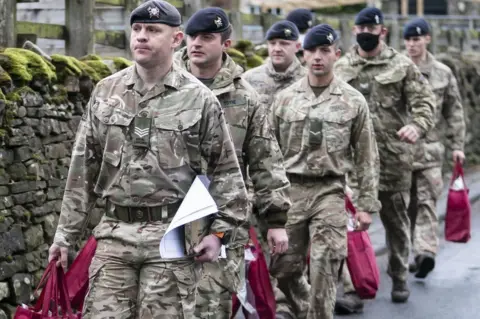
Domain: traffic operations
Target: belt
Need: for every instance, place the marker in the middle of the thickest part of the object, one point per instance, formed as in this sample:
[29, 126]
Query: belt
[300, 179]
[163, 213]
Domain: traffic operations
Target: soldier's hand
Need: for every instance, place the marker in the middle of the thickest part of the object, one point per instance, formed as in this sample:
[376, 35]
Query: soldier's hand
[59, 253]
[363, 221]
[458, 156]
[208, 249]
[408, 133]
[277, 240]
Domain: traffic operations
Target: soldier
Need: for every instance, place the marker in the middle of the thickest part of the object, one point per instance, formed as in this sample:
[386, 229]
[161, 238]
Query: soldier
[319, 121]
[140, 144]
[282, 68]
[401, 105]
[303, 19]
[208, 37]
[427, 181]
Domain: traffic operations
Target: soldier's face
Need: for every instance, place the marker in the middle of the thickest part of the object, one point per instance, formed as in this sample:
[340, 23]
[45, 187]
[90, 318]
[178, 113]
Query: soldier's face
[204, 49]
[282, 52]
[321, 59]
[153, 43]
[417, 46]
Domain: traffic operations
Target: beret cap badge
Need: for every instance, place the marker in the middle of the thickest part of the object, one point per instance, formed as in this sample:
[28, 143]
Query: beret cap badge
[377, 19]
[218, 22]
[330, 37]
[288, 33]
[154, 12]
[419, 31]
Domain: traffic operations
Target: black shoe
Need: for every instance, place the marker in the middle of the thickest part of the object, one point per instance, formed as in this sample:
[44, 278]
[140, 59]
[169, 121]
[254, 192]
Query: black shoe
[400, 292]
[425, 264]
[348, 304]
[412, 267]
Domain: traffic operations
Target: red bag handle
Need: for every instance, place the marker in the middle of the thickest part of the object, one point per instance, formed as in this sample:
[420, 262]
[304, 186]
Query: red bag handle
[253, 236]
[349, 206]
[55, 292]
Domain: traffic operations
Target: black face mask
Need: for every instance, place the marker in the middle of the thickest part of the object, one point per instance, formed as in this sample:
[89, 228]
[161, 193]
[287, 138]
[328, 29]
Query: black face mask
[368, 41]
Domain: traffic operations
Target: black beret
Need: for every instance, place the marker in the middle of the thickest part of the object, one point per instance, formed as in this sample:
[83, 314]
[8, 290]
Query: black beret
[369, 15]
[208, 20]
[284, 29]
[322, 34]
[301, 17]
[416, 27]
[156, 11]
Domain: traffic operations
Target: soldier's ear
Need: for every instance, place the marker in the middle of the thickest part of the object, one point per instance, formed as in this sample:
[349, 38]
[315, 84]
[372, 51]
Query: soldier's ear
[177, 37]
[428, 39]
[227, 44]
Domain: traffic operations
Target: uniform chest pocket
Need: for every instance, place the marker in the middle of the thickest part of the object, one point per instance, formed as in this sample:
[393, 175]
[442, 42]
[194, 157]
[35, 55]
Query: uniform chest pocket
[389, 87]
[112, 130]
[291, 125]
[236, 114]
[337, 130]
[175, 137]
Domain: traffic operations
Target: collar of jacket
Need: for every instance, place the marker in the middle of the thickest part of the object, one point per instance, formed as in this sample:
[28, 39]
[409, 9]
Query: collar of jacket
[225, 77]
[289, 73]
[386, 54]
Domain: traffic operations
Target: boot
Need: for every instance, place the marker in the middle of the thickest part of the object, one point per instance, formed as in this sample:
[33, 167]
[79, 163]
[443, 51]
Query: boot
[425, 264]
[412, 267]
[400, 292]
[348, 304]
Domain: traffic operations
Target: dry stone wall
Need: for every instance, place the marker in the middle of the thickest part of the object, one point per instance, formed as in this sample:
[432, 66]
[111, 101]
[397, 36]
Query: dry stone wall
[41, 102]
[42, 99]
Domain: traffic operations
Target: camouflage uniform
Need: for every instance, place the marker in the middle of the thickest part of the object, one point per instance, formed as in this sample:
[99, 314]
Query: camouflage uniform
[268, 82]
[397, 95]
[144, 168]
[316, 135]
[429, 154]
[258, 153]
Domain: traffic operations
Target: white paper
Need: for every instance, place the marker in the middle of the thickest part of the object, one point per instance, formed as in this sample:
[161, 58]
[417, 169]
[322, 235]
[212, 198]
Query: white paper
[458, 184]
[197, 204]
[249, 255]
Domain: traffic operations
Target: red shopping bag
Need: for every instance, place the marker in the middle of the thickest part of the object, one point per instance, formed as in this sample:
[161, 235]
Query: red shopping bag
[458, 217]
[54, 297]
[77, 275]
[361, 260]
[259, 289]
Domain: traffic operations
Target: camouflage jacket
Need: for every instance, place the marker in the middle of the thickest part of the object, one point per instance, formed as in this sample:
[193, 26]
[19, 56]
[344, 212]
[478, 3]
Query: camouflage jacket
[267, 82]
[318, 134]
[429, 152]
[397, 95]
[256, 146]
[187, 125]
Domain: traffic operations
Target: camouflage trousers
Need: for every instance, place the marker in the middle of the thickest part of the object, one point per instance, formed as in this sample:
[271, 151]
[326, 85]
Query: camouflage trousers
[427, 186]
[219, 280]
[396, 222]
[129, 279]
[317, 219]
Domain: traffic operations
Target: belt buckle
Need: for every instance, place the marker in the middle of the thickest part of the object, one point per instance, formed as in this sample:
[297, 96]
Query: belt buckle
[137, 214]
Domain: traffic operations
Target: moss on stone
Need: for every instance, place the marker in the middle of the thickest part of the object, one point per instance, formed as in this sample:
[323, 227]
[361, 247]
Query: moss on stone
[254, 61]
[91, 57]
[101, 68]
[263, 52]
[5, 79]
[121, 63]
[59, 95]
[87, 70]
[16, 95]
[238, 57]
[37, 66]
[244, 45]
[16, 66]
[2, 96]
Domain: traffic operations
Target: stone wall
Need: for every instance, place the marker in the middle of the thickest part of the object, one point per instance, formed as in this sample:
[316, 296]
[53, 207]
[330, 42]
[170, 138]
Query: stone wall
[41, 101]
